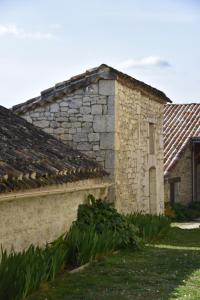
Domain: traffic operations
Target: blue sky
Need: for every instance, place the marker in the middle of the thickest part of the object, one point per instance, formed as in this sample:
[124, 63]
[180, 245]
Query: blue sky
[47, 41]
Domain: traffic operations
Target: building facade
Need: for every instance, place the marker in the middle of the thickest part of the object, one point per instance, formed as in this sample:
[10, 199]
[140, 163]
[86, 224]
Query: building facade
[182, 153]
[116, 120]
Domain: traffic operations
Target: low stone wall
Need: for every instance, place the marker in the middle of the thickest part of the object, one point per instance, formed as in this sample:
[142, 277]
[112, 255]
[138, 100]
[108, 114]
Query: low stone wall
[41, 216]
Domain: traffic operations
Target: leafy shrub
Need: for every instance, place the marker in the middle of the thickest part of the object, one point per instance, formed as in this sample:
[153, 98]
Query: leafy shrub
[85, 244]
[151, 227]
[105, 218]
[181, 211]
[187, 212]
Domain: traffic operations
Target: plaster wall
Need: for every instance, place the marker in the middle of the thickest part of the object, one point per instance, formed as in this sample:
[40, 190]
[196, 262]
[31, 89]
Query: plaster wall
[42, 216]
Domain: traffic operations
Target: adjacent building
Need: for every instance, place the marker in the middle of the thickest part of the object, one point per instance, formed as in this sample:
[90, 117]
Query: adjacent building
[114, 119]
[182, 152]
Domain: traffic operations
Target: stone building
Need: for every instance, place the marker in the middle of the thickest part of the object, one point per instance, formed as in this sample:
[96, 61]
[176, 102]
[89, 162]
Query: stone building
[115, 119]
[42, 183]
[182, 152]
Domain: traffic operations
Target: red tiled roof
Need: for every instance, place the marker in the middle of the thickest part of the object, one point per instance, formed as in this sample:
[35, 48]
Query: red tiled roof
[181, 123]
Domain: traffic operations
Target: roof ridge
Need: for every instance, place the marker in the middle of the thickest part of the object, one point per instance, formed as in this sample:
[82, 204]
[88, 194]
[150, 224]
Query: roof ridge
[103, 71]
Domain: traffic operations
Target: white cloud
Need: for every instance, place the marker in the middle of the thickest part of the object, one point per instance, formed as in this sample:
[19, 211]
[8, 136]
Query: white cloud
[146, 62]
[17, 32]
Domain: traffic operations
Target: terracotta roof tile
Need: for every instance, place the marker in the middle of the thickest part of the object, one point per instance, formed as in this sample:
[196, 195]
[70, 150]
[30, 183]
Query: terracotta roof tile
[181, 123]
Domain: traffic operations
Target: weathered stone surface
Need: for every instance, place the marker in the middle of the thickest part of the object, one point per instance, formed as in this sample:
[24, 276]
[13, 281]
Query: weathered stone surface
[66, 137]
[80, 137]
[110, 159]
[75, 103]
[54, 108]
[48, 130]
[109, 122]
[106, 141]
[97, 109]
[84, 147]
[93, 137]
[107, 87]
[42, 124]
[104, 123]
[59, 130]
[85, 110]
[88, 118]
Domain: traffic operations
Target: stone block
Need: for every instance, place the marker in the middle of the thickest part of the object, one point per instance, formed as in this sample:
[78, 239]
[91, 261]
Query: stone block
[97, 109]
[96, 148]
[87, 118]
[84, 147]
[42, 124]
[66, 137]
[93, 137]
[64, 108]
[86, 99]
[85, 110]
[66, 124]
[64, 103]
[72, 130]
[54, 107]
[76, 124]
[110, 159]
[86, 104]
[80, 137]
[104, 123]
[73, 111]
[75, 103]
[48, 130]
[35, 114]
[107, 141]
[107, 87]
[59, 130]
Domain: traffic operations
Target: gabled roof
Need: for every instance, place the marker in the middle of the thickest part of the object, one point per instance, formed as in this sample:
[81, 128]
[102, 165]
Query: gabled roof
[83, 80]
[31, 158]
[181, 124]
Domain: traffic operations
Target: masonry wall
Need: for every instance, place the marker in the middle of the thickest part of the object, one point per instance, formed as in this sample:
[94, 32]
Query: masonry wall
[83, 119]
[183, 170]
[39, 219]
[110, 122]
[133, 161]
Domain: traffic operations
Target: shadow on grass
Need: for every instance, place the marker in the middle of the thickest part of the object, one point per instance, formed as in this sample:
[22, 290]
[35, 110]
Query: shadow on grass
[154, 273]
[183, 237]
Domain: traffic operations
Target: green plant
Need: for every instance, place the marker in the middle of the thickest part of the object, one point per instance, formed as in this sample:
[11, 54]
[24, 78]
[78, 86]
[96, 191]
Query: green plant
[104, 217]
[85, 244]
[182, 212]
[22, 273]
[151, 227]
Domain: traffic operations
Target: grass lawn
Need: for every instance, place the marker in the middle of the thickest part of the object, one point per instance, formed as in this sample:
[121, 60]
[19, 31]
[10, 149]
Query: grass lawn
[169, 270]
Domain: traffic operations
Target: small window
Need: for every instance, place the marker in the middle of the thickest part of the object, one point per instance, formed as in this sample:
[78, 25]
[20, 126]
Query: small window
[151, 138]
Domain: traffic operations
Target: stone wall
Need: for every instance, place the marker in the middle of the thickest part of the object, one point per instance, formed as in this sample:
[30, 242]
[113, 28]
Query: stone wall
[133, 162]
[182, 169]
[83, 119]
[38, 218]
[110, 122]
